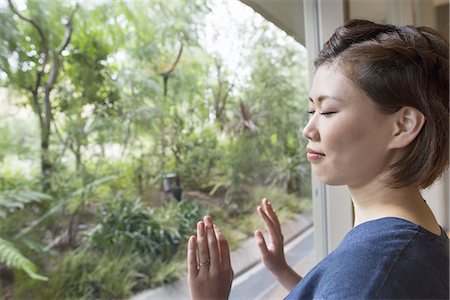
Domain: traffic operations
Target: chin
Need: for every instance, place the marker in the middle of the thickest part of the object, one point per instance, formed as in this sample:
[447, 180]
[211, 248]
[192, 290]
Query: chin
[331, 180]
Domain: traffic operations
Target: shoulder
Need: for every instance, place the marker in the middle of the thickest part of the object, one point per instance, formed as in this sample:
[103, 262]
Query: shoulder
[366, 261]
[420, 270]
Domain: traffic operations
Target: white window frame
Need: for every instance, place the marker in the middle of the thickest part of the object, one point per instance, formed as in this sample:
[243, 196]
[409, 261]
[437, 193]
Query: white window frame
[332, 206]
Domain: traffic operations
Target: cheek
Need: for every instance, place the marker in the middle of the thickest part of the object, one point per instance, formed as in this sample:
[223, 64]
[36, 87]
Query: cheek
[346, 134]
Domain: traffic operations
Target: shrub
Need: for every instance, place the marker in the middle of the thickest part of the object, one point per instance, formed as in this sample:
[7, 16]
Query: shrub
[198, 155]
[129, 227]
[132, 248]
[88, 275]
[154, 272]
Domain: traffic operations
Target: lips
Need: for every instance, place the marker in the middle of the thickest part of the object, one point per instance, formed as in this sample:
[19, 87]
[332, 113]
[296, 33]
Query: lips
[314, 156]
[310, 151]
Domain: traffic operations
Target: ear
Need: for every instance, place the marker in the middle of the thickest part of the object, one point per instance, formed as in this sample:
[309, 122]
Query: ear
[407, 124]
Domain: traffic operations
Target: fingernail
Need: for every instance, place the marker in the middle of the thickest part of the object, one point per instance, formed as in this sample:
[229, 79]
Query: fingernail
[207, 220]
[200, 226]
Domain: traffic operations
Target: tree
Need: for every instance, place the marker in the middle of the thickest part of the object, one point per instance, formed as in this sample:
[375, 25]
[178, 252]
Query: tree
[41, 75]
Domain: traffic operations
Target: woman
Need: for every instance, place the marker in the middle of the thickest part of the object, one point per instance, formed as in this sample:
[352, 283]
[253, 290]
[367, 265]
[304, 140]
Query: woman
[379, 123]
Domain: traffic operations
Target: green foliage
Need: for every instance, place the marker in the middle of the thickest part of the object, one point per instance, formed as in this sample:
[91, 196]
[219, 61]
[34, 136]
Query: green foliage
[156, 272]
[90, 275]
[12, 257]
[244, 225]
[238, 168]
[129, 227]
[180, 216]
[290, 173]
[12, 200]
[285, 204]
[198, 156]
[132, 248]
[138, 93]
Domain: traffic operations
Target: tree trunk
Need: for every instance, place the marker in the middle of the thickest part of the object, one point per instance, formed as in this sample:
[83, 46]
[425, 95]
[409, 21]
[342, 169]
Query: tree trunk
[46, 164]
[45, 113]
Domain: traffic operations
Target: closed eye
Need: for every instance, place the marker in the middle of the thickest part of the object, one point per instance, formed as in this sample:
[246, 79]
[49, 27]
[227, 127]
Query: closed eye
[327, 113]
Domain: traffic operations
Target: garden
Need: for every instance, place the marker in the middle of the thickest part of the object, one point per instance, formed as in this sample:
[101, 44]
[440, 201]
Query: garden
[123, 123]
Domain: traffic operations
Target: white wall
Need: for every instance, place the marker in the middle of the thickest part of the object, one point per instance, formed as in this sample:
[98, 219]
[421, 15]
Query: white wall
[438, 200]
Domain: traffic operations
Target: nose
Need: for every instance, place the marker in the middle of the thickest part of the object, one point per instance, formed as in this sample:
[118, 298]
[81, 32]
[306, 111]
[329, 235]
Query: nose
[310, 131]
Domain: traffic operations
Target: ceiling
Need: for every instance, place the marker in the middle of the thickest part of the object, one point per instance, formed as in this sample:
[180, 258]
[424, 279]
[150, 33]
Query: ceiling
[286, 14]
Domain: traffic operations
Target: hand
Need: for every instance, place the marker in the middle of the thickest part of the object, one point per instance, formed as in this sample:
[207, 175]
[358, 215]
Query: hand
[272, 254]
[211, 275]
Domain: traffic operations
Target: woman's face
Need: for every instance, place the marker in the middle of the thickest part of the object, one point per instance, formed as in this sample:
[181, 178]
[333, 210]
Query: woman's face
[347, 137]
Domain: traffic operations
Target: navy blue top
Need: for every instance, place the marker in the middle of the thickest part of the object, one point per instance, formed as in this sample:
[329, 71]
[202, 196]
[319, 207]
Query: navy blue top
[388, 258]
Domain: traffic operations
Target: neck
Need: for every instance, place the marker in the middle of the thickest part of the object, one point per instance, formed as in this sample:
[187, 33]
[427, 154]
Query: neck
[376, 200]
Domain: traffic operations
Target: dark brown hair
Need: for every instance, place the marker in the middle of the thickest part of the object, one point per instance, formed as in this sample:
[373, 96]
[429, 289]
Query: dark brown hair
[396, 67]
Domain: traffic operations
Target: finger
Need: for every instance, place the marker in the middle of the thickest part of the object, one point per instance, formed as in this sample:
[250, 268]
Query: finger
[192, 258]
[261, 243]
[207, 219]
[273, 233]
[271, 212]
[212, 241]
[223, 247]
[202, 241]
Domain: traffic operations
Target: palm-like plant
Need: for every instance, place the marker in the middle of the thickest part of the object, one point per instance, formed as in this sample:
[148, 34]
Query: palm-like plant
[288, 173]
[245, 118]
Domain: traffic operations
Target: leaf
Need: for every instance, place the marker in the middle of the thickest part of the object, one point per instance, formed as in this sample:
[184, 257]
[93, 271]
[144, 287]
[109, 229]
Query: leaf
[12, 257]
[11, 200]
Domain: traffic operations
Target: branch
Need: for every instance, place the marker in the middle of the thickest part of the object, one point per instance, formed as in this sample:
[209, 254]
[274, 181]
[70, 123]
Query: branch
[166, 75]
[55, 66]
[32, 22]
[224, 100]
[68, 33]
[65, 143]
[175, 63]
[221, 100]
[44, 45]
[36, 107]
[54, 71]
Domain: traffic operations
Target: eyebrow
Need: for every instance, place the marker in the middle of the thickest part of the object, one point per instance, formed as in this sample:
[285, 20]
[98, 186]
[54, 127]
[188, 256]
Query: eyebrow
[324, 97]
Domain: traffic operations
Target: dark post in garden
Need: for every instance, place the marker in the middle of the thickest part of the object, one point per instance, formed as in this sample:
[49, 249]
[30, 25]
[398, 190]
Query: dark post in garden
[171, 184]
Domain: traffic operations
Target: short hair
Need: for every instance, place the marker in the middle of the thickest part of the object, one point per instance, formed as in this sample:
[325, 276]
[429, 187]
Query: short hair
[396, 67]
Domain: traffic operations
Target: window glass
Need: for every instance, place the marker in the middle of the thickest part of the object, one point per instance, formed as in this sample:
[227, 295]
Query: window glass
[124, 122]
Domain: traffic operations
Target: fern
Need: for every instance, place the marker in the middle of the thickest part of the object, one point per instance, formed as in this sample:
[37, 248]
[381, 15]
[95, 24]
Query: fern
[12, 257]
[16, 199]
[9, 255]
